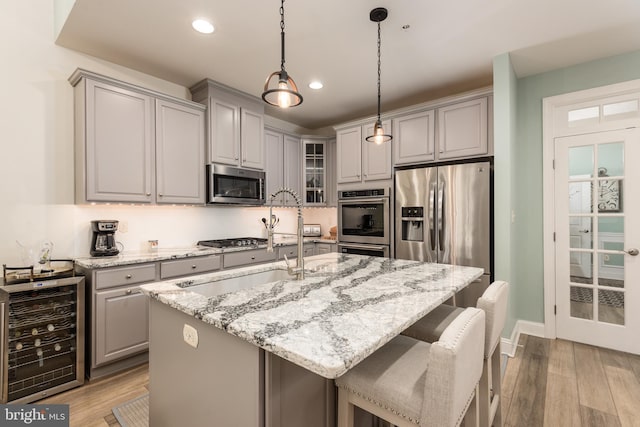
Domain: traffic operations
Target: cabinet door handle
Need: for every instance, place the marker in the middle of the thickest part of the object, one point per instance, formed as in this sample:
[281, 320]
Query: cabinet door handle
[160, 195]
[128, 292]
[148, 194]
[128, 276]
[253, 257]
[194, 266]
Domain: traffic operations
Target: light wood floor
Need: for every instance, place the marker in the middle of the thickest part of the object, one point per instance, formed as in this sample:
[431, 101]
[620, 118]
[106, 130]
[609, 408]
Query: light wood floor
[561, 383]
[91, 404]
[551, 383]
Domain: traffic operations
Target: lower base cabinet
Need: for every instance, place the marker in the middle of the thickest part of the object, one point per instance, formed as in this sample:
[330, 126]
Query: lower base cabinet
[122, 324]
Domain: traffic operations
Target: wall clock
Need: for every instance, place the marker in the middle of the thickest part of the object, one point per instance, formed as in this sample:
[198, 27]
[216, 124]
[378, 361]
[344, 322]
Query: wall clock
[608, 194]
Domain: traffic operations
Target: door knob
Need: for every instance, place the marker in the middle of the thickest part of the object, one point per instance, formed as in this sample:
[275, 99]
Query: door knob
[632, 252]
[583, 231]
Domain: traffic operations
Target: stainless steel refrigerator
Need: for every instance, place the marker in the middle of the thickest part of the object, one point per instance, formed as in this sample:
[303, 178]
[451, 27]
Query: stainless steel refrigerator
[443, 214]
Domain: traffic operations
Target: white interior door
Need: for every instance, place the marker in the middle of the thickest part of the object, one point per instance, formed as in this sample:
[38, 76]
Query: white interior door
[597, 224]
[580, 227]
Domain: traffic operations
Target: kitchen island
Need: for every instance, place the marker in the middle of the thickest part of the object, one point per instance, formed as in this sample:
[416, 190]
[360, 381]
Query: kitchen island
[266, 353]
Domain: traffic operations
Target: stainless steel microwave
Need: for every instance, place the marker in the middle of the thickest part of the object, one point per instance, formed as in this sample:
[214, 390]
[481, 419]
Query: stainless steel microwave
[231, 185]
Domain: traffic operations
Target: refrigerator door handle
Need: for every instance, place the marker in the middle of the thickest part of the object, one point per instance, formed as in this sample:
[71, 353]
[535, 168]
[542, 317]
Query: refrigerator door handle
[441, 216]
[432, 211]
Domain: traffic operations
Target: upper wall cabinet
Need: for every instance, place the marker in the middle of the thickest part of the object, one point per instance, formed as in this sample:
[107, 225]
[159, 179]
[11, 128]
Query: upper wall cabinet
[282, 166]
[180, 159]
[462, 129]
[359, 160]
[235, 125]
[451, 131]
[315, 172]
[135, 145]
[413, 139]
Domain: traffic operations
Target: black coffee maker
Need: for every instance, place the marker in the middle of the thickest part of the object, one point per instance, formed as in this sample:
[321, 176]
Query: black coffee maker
[103, 241]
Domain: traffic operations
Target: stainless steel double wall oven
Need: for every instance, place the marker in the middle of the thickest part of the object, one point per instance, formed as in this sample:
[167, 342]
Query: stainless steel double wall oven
[364, 222]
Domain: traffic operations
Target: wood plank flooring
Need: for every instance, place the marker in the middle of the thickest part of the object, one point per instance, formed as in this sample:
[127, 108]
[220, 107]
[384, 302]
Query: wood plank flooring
[91, 404]
[549, 383]
[561, 383]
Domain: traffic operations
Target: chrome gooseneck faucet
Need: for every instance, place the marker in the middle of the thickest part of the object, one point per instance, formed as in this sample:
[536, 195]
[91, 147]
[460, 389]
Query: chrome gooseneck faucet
[299, 268]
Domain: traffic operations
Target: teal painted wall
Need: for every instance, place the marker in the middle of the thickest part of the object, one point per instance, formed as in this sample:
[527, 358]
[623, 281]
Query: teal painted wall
[527, 192]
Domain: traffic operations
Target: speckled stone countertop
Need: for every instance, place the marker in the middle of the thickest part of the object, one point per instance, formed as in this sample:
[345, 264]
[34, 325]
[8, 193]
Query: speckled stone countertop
[162, 254]
[347, 306]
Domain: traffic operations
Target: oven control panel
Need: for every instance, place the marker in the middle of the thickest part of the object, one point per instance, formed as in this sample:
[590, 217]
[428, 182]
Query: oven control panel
[374, 192]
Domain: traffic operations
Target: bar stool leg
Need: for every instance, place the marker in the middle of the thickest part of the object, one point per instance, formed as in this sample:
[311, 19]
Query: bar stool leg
[345, 409]
[471, 417]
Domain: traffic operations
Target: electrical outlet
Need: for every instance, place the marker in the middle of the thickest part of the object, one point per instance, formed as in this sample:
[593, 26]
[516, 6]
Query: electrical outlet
[190, 335]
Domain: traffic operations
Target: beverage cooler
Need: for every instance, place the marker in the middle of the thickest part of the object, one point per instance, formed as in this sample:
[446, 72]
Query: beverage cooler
[42, 338]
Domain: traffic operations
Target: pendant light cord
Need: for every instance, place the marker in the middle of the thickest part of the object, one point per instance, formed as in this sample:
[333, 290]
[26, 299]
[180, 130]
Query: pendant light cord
[379, 74]
[282, 34]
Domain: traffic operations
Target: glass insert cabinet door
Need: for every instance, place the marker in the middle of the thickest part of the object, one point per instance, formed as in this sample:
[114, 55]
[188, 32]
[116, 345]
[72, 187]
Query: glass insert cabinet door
[597, 223]
[314, 173]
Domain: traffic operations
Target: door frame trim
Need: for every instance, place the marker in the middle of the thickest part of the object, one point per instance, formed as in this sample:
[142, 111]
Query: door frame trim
[549, 134]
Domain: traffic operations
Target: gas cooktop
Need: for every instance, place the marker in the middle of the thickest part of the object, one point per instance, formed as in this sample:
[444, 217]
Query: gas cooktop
[232, 243]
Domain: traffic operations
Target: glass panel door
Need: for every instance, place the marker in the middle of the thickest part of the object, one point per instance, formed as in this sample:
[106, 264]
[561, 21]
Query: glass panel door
[314, 171]
[597, 226]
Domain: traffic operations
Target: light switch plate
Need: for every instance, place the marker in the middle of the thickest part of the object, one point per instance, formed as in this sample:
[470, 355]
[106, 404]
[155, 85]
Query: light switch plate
[190, 335]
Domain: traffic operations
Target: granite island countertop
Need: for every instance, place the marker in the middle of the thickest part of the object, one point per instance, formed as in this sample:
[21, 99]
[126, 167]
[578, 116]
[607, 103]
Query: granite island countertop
[347, 306]
[163, 254]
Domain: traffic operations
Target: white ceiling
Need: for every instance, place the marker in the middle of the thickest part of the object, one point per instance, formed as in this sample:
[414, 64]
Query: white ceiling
[448, 47]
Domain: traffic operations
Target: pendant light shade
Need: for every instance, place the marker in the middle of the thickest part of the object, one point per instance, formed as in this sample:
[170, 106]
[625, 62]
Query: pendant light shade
[280, 90]
[379, 136]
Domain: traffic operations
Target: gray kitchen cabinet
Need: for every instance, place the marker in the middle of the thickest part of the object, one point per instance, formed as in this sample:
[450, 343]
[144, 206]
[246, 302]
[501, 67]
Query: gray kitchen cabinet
[114, 144]
[121, 324]
[242, 258]
[414, 138]
[117, 332]
[462, 129]
[180, 142]
[376, 158]
[359, 160]
[282, 166]
[235, 125]
[315, 172]
[291, 251]
[135, 145]
[325, 248]
[349, 153]
[331, 173]
[189, 266]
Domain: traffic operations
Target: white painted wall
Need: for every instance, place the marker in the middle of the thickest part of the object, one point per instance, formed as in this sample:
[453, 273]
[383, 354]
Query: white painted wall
[36, 152]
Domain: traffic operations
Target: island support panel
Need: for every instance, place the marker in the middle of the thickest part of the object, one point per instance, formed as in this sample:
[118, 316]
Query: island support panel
[219, 383]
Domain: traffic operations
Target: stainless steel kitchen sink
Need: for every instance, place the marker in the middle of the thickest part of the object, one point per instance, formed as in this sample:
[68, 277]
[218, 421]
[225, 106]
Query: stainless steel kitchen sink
[237, 283]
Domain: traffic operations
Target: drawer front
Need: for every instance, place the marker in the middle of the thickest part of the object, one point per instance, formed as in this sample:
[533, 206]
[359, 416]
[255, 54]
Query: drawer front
[237, 259]
[188, 266]
[125, 276]
[292, 251]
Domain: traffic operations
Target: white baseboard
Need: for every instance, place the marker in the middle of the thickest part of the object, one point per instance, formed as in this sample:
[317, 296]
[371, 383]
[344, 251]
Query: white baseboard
[509, 345]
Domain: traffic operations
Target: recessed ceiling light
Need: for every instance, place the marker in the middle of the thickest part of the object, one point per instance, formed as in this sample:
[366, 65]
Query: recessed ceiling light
[316, 85]
[202, 26]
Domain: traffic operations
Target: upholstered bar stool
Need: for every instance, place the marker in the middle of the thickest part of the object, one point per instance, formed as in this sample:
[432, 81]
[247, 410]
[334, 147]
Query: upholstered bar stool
[494, 303]
[409, 382]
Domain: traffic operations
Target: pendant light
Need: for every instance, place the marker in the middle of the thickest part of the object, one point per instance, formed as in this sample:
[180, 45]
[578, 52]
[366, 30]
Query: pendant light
[281, 91]
[378, 15]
